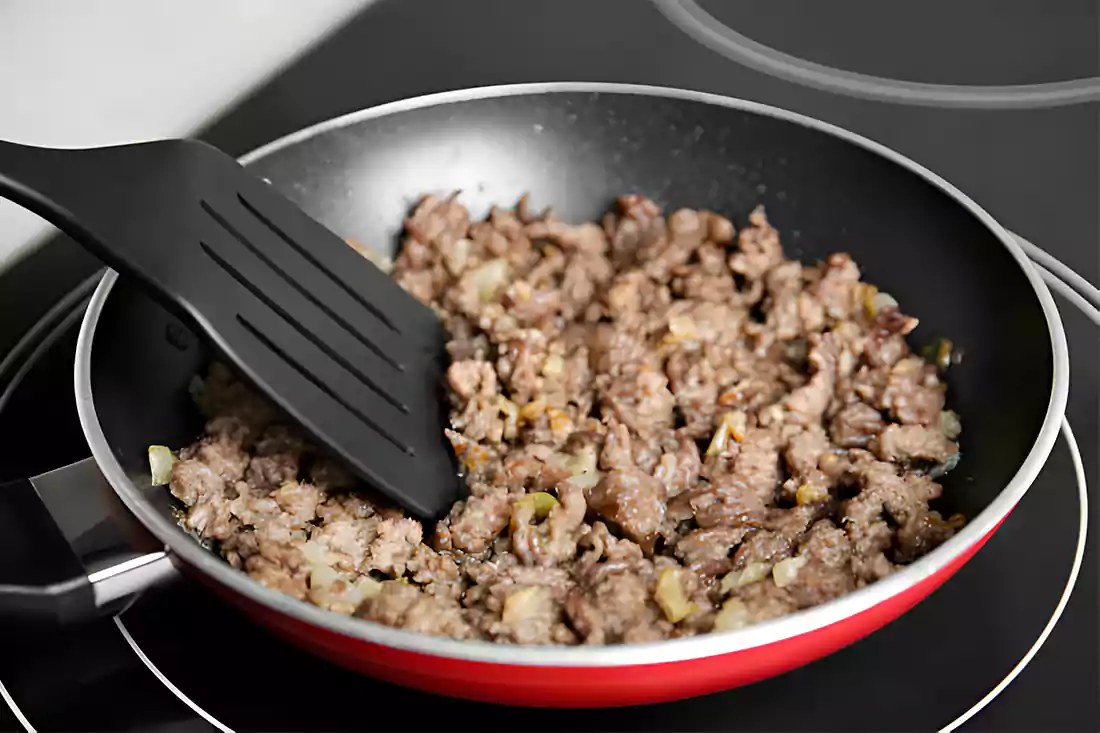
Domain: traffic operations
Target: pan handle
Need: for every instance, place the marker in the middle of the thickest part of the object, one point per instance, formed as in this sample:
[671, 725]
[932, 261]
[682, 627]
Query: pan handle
[69, 549]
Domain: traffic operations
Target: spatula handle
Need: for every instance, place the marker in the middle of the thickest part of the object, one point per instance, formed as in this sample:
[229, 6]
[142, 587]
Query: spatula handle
[44, 181]
[115, 201]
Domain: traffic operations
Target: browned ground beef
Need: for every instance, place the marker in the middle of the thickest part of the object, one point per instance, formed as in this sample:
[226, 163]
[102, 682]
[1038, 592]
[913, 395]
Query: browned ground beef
[666, 426]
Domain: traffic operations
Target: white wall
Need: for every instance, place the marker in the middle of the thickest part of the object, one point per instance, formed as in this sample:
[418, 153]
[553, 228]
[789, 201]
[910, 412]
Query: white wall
[77, 73]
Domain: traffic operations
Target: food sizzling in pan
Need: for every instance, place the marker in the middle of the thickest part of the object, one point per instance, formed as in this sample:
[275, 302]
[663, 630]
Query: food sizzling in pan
[666, 426]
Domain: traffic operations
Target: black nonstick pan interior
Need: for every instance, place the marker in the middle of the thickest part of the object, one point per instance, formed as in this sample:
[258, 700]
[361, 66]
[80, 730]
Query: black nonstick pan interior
[576, 152]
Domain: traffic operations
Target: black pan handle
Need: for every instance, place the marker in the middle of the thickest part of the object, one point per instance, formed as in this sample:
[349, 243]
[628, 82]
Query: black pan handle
[69, 550]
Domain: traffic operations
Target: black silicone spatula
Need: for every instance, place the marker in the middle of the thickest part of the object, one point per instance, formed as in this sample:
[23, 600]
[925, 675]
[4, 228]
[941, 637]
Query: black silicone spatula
[326, 335]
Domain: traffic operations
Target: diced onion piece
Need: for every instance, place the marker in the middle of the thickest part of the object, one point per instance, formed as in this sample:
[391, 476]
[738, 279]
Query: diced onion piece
[950, 425]
[866, 293]
[368, 587]
[811, 494]
[753, 572]
[540, 502]
[520, 291]
[682, 328]
[321, 581]
[670, 596]
[322, 576]
[556, 460]
[785, 571]
[734, 615]
[718, 440]
[583, 461]
[553, 366]
[732, 425]
[883, 301]
[587, 481]
[328, 589]
[510, 411]
[490, 278]
[737, 423]
[161, 461]
[583, 466]
[313, 553]
[458, 257]
[522, 604]
[533, 410]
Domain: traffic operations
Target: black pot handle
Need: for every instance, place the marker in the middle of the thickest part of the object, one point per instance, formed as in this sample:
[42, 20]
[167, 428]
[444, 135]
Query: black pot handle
[69, 549]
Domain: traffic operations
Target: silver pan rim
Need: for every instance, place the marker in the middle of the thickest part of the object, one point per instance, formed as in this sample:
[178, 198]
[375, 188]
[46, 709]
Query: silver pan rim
[709, 645]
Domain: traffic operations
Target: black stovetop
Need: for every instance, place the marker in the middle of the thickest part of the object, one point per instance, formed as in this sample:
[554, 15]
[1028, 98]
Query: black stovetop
[1034, 168]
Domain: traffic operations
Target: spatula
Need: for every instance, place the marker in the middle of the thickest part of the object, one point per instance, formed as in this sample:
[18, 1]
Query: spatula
[332, 340]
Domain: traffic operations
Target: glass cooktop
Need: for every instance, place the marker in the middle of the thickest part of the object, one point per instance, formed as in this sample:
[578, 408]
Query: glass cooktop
[999, 97]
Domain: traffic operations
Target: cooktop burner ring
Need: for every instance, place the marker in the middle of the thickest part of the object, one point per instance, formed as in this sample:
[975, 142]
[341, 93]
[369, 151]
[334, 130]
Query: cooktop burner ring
[164, 679]
[689, 17]
[19, 716]
[1067, 592]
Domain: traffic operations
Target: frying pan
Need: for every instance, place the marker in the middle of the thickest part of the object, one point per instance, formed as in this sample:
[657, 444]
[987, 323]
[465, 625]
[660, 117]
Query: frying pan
[575, 147]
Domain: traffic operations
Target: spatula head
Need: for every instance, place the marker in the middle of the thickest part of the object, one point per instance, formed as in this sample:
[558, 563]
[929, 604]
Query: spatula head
[329, 337]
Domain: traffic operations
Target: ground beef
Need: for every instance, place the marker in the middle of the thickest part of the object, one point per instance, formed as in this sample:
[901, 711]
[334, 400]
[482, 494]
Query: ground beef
[666, 428]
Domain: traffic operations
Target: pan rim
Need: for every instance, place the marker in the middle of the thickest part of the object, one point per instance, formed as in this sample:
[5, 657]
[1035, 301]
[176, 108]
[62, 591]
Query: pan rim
[675, 650]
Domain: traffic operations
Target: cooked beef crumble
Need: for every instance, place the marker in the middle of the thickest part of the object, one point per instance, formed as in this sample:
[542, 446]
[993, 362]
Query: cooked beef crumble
[666, 427]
